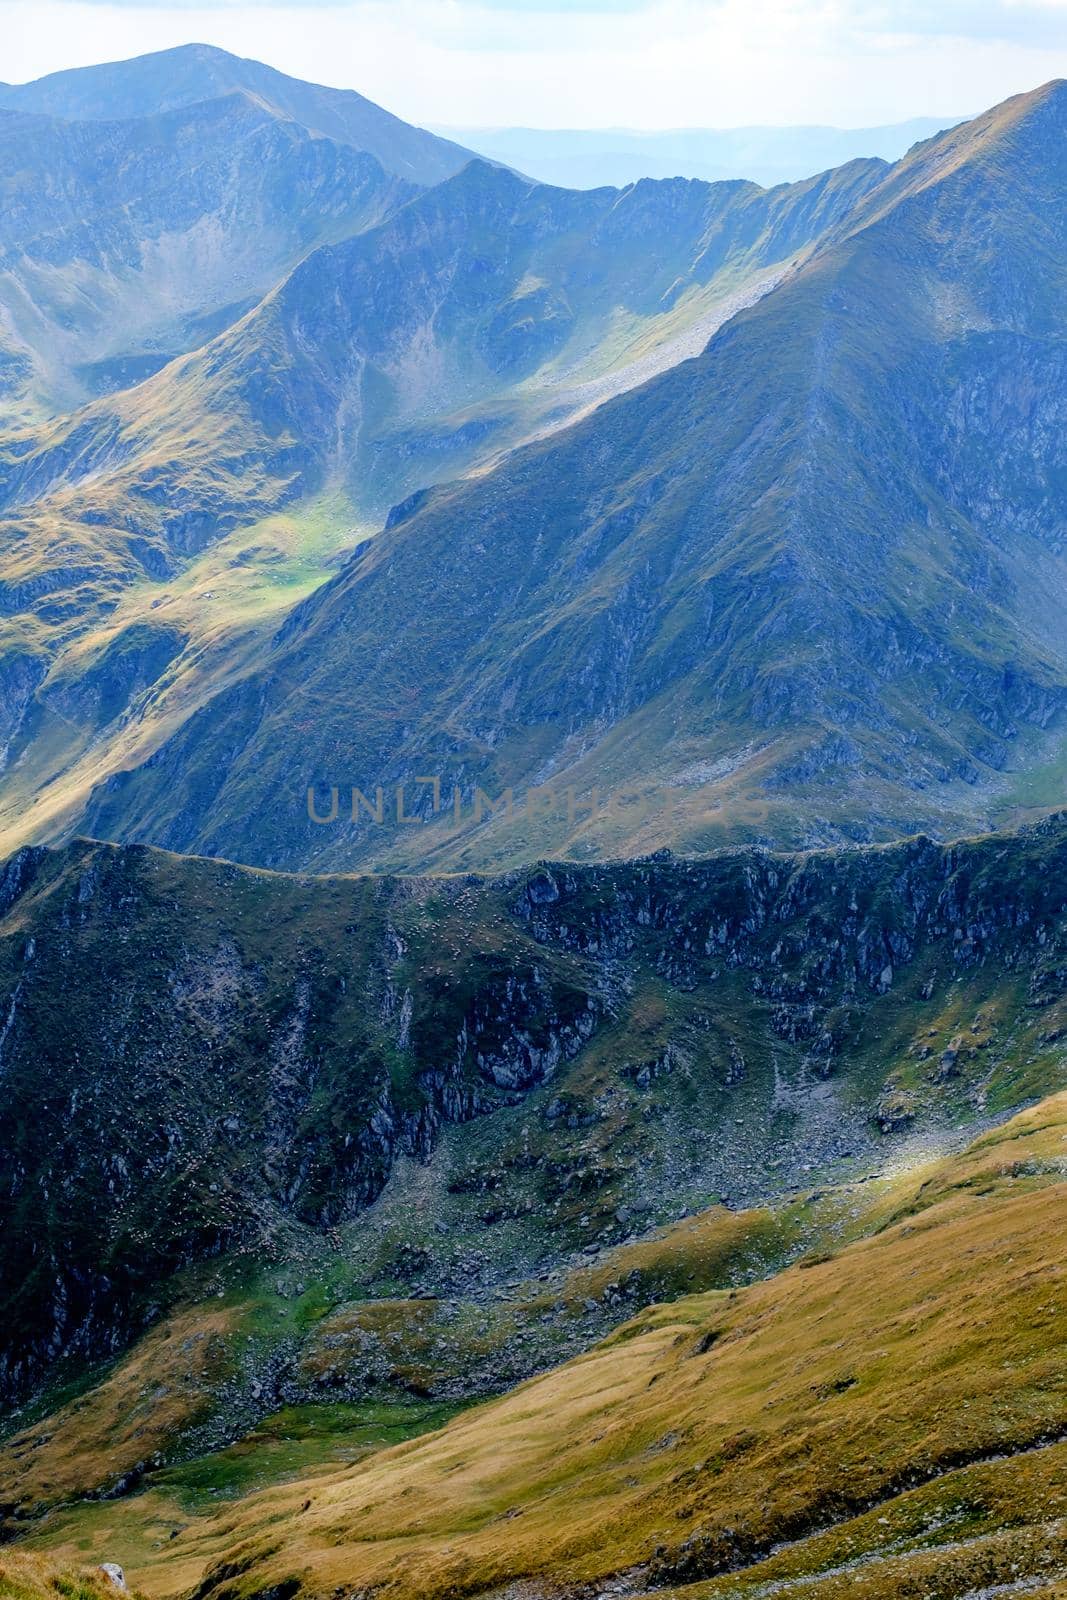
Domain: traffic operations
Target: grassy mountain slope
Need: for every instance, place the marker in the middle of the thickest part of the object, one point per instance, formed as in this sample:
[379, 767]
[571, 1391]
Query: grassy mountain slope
[809, 585]
[123, 244]
[28, 1577]
[707, 1433]
[169, 80]
[210, 1375]
[253, 1060]
[797, 1432]
[487, 310]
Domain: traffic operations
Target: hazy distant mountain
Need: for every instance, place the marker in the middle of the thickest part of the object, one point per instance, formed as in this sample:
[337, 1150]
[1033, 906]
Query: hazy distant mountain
[170, 79]
[123, 244]
[812, 584]
[149, 203]
[587, 158]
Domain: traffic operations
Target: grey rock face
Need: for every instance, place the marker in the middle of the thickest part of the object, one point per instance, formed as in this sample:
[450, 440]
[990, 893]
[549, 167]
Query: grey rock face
[195, 1058]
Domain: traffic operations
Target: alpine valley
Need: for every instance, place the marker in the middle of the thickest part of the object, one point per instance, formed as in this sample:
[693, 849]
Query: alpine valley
[533, 877]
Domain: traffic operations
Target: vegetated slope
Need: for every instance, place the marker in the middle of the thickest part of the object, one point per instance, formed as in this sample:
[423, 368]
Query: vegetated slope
[198, 1058]
[123, 244]
[809, 585]
[486, 310]
[312, 1360]
[169, 80]
[709, 1406]
[884, 1420]
[29, 1577]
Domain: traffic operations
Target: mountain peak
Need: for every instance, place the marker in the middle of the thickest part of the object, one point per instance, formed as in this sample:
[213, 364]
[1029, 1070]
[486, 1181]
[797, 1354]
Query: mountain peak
[1015, 149]
[168, 80]
[197, 50]
[1020, 111]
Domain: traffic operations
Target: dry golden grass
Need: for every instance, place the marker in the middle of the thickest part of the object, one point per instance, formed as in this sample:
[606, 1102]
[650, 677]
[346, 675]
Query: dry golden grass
[24, 1576]
[846, 1407]
[146, 1401]
[739, 1418]
[962, 1533]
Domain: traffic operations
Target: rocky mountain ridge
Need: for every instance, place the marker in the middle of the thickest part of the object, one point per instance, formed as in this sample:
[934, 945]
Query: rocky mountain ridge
[807, 586]
[172, 80]
[234, 1055]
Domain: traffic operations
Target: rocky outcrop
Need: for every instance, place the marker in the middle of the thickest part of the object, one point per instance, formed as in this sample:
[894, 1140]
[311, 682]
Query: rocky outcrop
[191, 1053]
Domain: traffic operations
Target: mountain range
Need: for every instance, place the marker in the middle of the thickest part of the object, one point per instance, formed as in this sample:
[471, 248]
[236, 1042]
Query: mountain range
[174, 80]
[807, 585]
[124, 245]
[712, 416]
[579, 158]
[164, 526]
[148, 206]
[540, 1083]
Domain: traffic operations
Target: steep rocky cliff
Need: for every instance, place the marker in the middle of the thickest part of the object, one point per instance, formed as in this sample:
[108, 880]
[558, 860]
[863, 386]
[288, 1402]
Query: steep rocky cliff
[196, 1058]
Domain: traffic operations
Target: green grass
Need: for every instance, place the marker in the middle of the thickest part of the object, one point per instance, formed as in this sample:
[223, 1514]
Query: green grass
[294, 1441]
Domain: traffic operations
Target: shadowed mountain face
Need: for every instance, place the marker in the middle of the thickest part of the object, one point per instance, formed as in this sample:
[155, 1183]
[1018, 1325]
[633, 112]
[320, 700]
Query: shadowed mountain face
[124, 243]
[172, 79]
[812, 583]
[239, 1061]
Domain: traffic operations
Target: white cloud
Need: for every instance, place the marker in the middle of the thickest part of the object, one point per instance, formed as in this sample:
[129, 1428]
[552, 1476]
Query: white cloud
[662, 63]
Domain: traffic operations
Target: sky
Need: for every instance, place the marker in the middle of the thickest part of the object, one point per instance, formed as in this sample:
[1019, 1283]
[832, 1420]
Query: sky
[591, 63]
